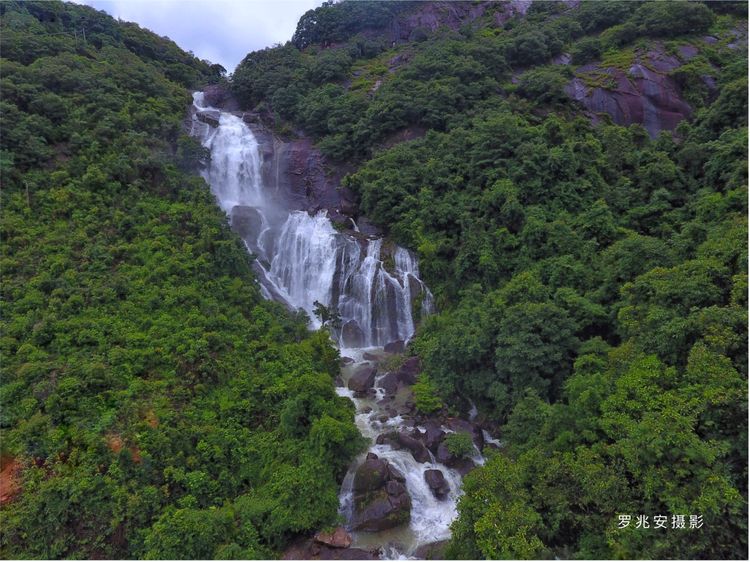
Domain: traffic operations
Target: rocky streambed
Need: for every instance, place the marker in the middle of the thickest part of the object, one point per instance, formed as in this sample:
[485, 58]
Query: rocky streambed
[399, 497]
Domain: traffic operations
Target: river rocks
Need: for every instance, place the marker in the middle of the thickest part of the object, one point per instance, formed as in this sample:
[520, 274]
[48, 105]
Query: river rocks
[367, 356]
[310, 549]
[461, 464]
[459, 425]
[402, 440]
[381, 500]
[390, 383]
[338, 538]
[362, 379]
[352, 335]
[432, 551]
[437, 483]
[394, 347]
[371, 474]
[345, 360]
[432, 436]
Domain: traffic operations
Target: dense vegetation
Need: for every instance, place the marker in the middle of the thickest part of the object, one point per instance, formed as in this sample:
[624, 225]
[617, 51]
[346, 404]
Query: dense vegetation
[157, 406]
[592, 281]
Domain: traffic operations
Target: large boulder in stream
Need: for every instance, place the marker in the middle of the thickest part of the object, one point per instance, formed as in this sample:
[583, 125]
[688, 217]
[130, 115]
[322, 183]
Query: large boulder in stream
[462, 465]
[437, 482]
[402, 440]
[362, 379]
[431, 436]
[381, 500]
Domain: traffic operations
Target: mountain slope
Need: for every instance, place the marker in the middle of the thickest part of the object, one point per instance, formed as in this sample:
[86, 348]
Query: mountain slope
[591, 277]
[153, 405]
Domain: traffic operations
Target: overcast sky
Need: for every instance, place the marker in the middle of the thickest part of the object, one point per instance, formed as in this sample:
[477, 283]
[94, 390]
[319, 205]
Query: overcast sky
[222, 31]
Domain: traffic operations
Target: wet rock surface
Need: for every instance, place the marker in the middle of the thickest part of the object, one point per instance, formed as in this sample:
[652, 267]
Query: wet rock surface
[246, 221]
[381, 500]
[362, 379]
[402, 440]
[437, 483]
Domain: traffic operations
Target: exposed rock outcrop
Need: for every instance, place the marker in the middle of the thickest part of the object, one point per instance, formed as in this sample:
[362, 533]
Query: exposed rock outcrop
[645, 93]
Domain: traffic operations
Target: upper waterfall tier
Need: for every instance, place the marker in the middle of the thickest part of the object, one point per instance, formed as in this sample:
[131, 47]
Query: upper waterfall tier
[301, 258]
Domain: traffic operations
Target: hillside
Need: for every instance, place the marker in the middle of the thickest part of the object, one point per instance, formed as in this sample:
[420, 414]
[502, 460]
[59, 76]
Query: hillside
[153, 405]
[573, 177]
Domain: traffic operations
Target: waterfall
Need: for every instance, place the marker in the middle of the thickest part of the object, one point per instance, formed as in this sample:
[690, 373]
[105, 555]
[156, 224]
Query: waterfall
[374, 286]
[303, 258]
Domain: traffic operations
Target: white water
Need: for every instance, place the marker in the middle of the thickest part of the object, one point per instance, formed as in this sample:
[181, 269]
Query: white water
[302, 258]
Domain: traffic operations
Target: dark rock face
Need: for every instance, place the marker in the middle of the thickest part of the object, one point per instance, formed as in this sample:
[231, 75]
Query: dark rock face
[246, 221]
[352, 334]
[437, 483]
[394, 347]
[308, 184]
[381, 500]
[362, 379]
[208, 116]
[215, 95]
[409, 370]
[643, 94]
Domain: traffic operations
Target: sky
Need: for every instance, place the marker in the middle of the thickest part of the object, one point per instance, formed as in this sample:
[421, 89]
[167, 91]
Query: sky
[222, 31]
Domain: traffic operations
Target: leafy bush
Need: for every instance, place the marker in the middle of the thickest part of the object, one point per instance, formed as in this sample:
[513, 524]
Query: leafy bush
[426, 397]
[459, 444]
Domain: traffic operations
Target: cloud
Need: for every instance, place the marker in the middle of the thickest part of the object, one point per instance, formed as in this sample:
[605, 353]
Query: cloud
[222, 31]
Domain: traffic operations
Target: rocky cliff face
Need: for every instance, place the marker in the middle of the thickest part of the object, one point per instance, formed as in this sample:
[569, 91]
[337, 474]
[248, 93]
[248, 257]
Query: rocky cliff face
[645, 93]
[295, 169]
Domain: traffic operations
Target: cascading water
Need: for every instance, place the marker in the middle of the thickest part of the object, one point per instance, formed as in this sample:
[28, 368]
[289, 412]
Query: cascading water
[301, 259]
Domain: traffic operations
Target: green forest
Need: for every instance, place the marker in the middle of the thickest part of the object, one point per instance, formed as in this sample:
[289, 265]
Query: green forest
[590, 280]
[158, 406]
